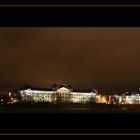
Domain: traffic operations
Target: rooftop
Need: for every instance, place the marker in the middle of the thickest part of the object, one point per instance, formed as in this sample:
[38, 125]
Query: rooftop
[55, 87]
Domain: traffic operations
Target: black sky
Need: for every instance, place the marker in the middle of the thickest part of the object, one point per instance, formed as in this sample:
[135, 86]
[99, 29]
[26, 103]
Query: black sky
[81, 57]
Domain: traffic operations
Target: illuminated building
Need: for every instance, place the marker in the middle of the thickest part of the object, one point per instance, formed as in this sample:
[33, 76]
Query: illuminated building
[125, 98]
[13, 98]
[132, 98]
[65, 94]
[58, 94]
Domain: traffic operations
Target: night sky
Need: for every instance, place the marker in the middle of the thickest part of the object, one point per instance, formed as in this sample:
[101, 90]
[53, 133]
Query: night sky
[102, 58]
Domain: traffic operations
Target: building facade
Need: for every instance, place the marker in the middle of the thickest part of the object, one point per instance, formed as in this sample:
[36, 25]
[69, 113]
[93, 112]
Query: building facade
[65, 94]
[124, 98]
[57, 94]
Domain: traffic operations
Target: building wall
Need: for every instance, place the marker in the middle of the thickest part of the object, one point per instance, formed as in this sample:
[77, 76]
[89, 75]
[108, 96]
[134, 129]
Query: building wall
[67, 96]
[54, 96]
[82, 97]
[37, 96]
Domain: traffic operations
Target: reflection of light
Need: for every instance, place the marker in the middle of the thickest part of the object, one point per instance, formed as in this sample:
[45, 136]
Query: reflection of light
[104, 100]
[97, 96]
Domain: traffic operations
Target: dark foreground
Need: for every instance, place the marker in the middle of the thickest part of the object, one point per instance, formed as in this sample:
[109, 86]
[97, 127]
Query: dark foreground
[68, 108]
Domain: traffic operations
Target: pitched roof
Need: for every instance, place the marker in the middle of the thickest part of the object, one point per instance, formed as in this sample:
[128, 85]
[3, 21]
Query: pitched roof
[35, 88]
[42, 89]
[83, 90]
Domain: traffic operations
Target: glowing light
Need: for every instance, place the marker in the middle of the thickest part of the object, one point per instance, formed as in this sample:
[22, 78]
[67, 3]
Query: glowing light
[10, 93]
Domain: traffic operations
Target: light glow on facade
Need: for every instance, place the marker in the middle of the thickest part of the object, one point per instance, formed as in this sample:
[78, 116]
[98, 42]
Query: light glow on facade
[64, 94]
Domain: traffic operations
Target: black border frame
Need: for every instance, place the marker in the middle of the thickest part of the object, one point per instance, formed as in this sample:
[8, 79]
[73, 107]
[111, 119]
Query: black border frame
[70, 16]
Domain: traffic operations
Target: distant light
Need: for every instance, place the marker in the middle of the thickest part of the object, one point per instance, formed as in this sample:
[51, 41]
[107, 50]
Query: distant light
[97, 96]
[10, 93]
